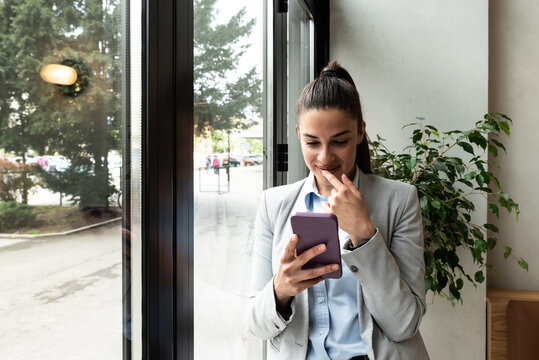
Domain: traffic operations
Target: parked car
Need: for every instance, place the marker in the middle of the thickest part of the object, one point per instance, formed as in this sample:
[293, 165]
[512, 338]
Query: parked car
[234, 162]
[57, 163]
[256, 158]
[248, 162]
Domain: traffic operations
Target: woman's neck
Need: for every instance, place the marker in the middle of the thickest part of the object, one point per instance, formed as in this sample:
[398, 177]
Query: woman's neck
[325, 191]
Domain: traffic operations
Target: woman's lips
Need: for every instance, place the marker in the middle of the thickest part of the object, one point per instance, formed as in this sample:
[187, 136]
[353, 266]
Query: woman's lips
[331, 169]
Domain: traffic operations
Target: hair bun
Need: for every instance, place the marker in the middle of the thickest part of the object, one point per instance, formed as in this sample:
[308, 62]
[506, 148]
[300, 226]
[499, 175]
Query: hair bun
[329, 73]
[335, 70]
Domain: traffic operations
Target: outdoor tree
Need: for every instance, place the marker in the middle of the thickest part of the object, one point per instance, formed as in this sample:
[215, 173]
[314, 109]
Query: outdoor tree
[226, 97]
[21, 90]
[81, 121]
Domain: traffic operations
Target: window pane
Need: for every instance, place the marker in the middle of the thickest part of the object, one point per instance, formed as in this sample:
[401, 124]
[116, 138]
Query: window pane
[229, 160]
[69, 180]
[300, 72]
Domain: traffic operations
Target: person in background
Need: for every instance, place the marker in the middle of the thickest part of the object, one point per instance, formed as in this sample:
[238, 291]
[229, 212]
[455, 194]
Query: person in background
[208, 164]
[42, 161]
[215, 164]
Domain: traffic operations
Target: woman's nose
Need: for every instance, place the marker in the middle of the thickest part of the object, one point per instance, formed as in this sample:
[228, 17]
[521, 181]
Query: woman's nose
[325, 156]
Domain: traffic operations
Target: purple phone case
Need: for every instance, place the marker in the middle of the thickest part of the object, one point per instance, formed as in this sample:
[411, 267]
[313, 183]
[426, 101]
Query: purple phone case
[314, 229]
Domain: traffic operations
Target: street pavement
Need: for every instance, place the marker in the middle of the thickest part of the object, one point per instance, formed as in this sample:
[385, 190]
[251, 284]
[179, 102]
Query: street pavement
[61, 297]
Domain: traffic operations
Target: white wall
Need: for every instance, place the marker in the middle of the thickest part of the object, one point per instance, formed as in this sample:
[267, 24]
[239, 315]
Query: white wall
[514, 90]
[429, 59]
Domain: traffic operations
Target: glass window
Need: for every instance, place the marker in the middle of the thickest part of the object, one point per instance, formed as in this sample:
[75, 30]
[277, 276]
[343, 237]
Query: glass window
[228, 171]
[70, 179]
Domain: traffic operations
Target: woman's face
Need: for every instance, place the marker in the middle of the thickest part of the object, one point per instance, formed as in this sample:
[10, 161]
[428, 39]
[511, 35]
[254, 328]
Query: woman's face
[328, 142]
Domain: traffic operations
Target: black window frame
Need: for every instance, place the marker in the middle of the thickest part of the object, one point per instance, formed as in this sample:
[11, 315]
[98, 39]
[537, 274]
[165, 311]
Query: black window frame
[320, 11]
[167, 163]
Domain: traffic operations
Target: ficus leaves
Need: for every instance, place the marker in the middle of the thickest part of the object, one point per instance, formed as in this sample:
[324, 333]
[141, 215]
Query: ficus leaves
[445, 180]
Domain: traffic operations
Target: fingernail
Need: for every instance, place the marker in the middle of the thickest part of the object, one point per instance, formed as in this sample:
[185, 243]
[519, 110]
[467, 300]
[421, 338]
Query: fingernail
[334, 267]
[321, 247]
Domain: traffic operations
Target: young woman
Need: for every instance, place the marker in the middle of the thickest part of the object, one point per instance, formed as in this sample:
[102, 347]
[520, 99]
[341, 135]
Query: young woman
[374, 310]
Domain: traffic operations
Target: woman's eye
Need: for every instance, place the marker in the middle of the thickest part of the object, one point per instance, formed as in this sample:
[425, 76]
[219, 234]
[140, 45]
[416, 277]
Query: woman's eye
[342, 142]
[312, 143]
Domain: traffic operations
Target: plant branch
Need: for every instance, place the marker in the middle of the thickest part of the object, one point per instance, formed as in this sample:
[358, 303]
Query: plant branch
[432, 162]
[445, 151]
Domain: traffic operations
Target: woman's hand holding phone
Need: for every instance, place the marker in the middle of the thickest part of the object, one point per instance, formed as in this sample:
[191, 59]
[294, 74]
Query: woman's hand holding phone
[347, 203]
[291, 279]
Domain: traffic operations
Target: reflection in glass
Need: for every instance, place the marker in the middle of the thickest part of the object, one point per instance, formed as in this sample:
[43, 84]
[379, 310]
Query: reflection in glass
[61, 175]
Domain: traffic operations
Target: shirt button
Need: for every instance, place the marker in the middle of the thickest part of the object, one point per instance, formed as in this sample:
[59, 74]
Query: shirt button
[321, 332]
[353, 268]
[320, 300]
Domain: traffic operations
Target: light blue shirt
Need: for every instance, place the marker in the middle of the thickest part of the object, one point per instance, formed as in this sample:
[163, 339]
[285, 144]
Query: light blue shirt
[334, 331]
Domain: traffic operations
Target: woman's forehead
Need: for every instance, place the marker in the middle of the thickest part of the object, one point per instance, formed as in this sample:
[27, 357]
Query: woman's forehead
[326, 119]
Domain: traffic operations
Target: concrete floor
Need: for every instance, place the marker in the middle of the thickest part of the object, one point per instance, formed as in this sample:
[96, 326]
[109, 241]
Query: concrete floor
[224, 232]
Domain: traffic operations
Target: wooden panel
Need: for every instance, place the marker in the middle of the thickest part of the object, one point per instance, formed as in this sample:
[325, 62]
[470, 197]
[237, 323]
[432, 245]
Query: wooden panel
[497, 300]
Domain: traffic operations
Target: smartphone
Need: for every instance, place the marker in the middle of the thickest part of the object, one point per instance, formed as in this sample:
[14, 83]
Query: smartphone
[314, 229]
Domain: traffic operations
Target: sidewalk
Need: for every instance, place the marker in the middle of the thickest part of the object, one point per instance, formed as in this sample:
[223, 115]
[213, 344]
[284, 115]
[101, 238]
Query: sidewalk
[224, 232]
[65, 292]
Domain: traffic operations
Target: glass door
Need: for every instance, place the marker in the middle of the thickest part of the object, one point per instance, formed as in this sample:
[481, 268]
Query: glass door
[229, 158]
[70, 179]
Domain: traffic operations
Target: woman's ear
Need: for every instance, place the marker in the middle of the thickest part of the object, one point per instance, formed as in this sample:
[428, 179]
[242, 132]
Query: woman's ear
[297, 132]
[361, 133]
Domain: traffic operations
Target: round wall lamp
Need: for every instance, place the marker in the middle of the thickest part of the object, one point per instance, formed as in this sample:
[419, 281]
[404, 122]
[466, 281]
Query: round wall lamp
[58, 74]
[72, 76]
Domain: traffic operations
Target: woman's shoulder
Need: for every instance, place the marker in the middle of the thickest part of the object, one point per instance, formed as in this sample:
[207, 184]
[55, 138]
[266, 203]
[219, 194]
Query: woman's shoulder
[284, 192]
[279, 200]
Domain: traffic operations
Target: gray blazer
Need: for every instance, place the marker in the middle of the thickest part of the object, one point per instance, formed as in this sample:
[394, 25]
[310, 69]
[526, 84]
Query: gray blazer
[389, 270]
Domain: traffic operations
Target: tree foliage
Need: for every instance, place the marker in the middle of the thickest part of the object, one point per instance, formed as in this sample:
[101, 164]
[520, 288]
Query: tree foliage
[445, 182]
[16, 179]
[45, 118]
[226, 97]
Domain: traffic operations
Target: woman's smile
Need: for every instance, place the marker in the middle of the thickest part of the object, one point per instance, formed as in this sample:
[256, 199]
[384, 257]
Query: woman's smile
[331, 169]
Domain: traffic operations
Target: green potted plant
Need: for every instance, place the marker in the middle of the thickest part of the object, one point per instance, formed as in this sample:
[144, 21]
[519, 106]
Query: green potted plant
[445, 181]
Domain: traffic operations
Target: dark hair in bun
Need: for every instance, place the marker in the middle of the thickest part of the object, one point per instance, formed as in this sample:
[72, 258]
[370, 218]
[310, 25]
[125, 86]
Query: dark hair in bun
[335, 89]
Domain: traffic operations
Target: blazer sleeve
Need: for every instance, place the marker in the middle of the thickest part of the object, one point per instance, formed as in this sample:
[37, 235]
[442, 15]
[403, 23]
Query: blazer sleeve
[263, 319]
[392, 279]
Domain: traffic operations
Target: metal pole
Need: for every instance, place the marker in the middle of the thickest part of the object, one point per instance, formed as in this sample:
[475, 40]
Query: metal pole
[219, 179]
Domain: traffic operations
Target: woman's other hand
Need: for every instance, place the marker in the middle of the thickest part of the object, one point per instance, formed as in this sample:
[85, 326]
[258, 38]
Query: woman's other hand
[291, 279]
[347, 203]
